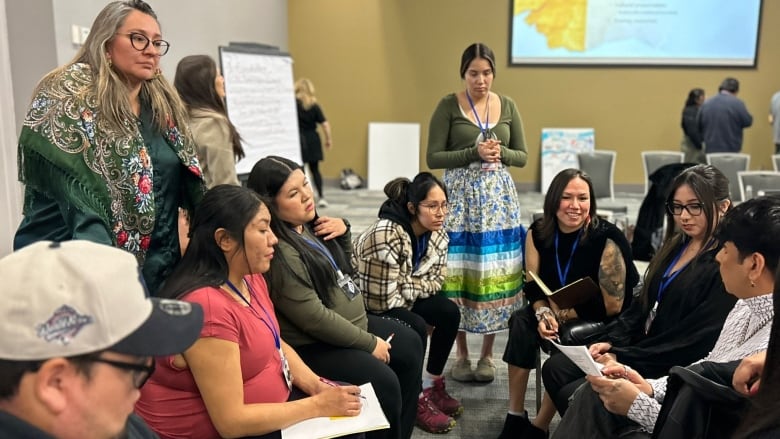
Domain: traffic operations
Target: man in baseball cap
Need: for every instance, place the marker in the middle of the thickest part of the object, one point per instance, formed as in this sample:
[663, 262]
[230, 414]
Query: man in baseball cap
[78, 334]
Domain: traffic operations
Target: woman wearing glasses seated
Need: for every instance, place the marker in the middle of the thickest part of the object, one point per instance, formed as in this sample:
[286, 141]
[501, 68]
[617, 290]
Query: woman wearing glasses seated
[400, 263]
[237, 378]
[683, 303]
[104, 151]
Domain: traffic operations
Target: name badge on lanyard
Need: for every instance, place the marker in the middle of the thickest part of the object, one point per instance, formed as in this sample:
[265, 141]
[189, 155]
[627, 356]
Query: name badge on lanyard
[666, 279]
[288, 378]
[485, 132]
[347, 285]
[286, 373]
[344, 281]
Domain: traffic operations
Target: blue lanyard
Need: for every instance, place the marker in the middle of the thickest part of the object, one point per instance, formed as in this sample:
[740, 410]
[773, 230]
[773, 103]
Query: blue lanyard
[267, 323]
[562, 275]
[476, 116]
[667, 279]
[324, 250]
[422, 246]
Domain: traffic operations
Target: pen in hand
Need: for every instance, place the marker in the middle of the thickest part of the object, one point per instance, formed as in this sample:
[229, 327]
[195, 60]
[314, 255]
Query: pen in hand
[332, 384]
[549, 328]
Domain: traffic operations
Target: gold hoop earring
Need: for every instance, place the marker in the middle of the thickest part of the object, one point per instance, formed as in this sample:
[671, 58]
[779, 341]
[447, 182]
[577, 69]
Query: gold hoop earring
[110, 63]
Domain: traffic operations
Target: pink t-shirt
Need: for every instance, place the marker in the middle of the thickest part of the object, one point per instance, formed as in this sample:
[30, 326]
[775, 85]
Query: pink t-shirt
[170, 401]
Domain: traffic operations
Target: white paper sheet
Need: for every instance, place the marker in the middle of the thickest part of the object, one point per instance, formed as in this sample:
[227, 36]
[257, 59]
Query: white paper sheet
[371, 418]
[581, 357]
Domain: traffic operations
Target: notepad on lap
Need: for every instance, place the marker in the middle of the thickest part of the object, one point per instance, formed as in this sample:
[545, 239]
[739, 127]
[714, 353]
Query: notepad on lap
[568, 296]
[371, 418]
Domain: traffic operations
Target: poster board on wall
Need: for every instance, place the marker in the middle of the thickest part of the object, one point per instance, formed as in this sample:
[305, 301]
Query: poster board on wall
[260, 99]
[560, 147]
[393, 151]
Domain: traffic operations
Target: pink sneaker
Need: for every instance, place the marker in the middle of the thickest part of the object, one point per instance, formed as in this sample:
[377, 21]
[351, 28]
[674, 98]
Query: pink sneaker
[430, 418]
[443, 401]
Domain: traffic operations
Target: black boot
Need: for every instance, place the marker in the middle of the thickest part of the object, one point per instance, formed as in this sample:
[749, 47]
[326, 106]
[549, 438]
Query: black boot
[519, 427]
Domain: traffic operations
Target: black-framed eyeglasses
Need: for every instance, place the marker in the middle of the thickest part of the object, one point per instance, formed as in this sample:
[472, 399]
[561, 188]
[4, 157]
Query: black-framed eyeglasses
[695, 209]
[140, 42]
[141, 372]
[436, 208]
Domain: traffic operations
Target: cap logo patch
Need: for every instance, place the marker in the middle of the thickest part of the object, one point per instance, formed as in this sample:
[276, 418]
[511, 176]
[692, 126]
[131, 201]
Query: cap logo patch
[175, 307]
[63, 325]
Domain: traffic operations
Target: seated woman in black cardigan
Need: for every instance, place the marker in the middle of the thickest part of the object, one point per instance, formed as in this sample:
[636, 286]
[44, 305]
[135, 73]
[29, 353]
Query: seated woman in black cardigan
[568, 243]
[683, 303]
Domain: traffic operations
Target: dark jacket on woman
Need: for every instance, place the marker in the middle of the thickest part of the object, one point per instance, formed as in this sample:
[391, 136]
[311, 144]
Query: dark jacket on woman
[689, 318]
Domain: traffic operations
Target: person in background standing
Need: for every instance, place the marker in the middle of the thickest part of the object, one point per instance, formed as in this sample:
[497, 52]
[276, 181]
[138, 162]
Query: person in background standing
[691, 143]
[774, 119]
[105, 153]
[476, 134]
[309, 116]
[722, 119]
[202, 88]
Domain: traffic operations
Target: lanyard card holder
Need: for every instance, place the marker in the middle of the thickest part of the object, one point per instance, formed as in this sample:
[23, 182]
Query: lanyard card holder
[347, 285]
[286, 372]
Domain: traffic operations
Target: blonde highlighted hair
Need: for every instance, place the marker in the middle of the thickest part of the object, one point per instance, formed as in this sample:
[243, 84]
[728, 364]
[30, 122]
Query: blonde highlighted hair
[111, 92]
[304, 91]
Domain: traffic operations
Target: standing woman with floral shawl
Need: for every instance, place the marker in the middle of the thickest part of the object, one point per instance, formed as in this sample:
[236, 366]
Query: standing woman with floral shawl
[103, 152]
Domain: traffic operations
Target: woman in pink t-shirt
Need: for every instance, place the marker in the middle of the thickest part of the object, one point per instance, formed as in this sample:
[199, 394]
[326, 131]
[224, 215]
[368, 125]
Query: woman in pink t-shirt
[236, 380]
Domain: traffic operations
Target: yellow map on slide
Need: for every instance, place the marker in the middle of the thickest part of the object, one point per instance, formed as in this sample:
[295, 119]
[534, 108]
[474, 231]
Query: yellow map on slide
[561, 21]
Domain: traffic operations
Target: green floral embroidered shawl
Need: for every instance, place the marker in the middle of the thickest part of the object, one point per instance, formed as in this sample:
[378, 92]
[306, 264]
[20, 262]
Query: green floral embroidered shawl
[67, 152]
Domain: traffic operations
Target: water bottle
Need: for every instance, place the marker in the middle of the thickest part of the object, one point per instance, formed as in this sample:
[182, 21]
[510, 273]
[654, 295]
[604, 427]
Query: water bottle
[748, 192]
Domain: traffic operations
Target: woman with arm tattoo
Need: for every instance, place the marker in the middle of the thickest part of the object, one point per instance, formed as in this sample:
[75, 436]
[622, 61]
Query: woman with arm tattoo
[568, 243]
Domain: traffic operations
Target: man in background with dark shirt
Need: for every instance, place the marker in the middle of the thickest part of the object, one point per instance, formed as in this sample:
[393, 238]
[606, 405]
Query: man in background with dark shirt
[722, 119]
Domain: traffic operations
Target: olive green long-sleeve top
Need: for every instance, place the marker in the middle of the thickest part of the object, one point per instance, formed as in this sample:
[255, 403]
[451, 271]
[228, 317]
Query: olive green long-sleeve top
[452, 136]
[303, 318]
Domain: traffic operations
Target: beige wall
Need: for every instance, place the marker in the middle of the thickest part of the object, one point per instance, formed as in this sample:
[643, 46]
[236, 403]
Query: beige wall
[392, 60]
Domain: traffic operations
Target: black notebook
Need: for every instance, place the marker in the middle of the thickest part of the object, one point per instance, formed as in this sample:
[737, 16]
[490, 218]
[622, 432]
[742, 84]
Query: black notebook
[569, 295]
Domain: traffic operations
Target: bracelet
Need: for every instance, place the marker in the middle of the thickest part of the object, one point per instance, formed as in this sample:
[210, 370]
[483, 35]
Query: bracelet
[541, 311]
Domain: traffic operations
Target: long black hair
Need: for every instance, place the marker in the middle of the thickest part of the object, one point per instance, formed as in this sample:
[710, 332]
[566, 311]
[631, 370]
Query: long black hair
[267, 178]
[224, 206]
[195, 81]
[552, 202]
[711, 188]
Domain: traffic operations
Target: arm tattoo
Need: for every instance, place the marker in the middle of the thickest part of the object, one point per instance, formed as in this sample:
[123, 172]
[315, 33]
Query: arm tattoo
[612, 271]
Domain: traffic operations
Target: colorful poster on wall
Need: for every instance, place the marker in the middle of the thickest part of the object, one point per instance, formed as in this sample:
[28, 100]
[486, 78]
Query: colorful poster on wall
[560, 147]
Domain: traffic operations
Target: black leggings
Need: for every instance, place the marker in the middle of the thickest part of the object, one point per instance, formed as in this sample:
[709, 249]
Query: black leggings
[314, 168]
[397, 385]
[441, 313]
